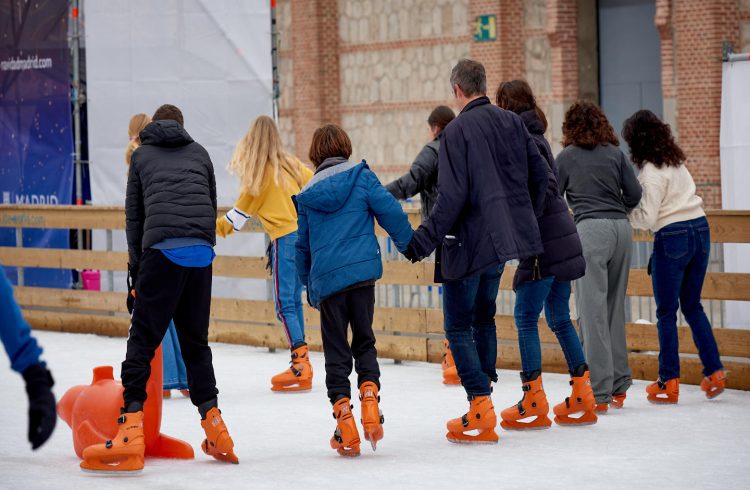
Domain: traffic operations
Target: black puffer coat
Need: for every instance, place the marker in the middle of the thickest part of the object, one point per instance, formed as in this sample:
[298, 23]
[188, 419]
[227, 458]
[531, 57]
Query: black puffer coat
[171, 190]
[563, 256]
[421, 179]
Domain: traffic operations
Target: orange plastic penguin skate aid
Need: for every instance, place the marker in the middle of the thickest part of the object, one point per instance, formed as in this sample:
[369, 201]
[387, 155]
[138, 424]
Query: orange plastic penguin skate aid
[480, 418]
[372, 418]
[533, 404]
[345, 438]
[92, 413]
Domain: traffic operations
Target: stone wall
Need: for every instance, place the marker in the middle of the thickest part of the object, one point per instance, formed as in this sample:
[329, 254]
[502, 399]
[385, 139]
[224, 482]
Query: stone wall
[744, 26]
[286, 73]
[377, 21]
[395, 63]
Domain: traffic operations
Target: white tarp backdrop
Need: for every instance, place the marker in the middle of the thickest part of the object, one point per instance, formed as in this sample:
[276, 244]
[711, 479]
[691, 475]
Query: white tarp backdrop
[735, 172]
[211, 58]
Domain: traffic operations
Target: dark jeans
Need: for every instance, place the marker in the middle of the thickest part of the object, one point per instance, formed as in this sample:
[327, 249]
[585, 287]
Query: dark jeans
[469, 311]
[554, 296]
[168, 291]
[356, 307]
[678, 268]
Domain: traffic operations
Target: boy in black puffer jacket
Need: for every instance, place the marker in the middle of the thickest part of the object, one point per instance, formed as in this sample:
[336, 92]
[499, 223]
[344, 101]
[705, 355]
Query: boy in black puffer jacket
[170, 212]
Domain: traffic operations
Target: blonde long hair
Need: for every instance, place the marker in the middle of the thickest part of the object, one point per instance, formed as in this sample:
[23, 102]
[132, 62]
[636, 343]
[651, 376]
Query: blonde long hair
[136, 125]
[259, 152]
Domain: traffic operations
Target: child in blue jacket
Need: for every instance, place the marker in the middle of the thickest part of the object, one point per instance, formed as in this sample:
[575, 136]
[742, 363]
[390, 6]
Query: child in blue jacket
[338, 258]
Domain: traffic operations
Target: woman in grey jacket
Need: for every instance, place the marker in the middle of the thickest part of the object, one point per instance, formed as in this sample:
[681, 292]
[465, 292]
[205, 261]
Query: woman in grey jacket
[601, 188]
[422, 179]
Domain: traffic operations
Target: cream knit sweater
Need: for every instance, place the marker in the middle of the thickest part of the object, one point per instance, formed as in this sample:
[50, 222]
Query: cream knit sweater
[668, 197]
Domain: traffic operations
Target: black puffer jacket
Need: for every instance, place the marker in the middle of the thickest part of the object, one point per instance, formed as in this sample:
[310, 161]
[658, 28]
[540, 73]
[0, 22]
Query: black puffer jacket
[171, 190]
[563, 256]
[421, 178]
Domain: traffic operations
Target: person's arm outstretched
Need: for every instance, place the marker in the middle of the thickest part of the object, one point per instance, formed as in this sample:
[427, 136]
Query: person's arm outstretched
[245, 206]
[415, 180]
[388, 212]
[646, 213]
[453, 192]
[631, 188]
[302, 257]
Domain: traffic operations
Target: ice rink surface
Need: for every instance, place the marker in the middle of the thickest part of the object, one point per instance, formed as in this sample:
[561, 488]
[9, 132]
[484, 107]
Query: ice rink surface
[282, 439]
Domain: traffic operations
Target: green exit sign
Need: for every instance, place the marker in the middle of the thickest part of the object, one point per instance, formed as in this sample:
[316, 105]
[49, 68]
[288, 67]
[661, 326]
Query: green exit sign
[485, 28]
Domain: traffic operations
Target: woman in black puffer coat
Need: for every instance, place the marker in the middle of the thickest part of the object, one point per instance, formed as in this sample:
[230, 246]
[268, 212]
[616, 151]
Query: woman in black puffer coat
[544, 281]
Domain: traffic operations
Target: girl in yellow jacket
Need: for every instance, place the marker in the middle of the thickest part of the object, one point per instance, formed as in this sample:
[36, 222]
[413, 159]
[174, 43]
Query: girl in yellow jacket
[269, 177]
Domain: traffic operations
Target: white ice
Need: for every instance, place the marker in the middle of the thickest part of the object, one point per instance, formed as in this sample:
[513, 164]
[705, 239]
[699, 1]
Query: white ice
[282, 439]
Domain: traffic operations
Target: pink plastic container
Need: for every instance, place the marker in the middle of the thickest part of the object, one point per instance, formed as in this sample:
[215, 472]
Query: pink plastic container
[92, 280]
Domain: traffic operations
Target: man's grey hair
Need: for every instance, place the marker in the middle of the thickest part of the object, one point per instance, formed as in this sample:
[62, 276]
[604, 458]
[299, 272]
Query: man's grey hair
[470, 76]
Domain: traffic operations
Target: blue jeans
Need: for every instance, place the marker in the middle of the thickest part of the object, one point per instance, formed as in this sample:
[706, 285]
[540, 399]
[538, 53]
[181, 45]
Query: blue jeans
[678, 268]
[287, 290]
[554, 296]
[469, 312]
[15, 333]
[175, 374]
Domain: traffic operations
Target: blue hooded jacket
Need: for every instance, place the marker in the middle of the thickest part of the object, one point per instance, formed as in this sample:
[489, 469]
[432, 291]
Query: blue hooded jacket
[336, 245]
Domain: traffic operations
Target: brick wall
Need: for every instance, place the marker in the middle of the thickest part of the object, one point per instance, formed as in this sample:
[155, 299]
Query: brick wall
[379, 66]
[699, 29]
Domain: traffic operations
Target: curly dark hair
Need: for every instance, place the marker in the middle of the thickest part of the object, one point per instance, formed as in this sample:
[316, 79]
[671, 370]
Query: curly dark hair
[651, 140]
[586, 126]
[516, 96]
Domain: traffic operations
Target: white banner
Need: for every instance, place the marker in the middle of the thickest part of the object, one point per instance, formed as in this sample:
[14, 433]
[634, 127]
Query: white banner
[212, 59]
[735, 172]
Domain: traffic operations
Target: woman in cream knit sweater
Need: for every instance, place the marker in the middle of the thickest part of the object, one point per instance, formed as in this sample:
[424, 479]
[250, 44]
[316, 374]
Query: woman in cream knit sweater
[682, 242]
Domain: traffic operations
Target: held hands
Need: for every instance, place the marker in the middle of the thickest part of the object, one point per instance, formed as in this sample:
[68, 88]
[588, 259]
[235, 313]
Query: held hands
[42, 412]
[223, 227]
[411, 254]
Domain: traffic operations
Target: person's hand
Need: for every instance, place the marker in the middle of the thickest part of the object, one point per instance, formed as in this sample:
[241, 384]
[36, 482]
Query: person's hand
[411, 254]
[223, 227]
[42, 409]
[130, 301]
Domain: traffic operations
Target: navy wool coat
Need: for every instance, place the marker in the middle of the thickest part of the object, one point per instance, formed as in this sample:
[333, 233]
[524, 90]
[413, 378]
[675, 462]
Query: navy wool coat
[491, 187]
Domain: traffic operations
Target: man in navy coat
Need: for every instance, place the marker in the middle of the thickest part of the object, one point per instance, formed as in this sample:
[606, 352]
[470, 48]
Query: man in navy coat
[491, 188]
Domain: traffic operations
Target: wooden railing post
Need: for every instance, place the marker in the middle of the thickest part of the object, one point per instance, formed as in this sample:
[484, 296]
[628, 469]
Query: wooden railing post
[19, 244]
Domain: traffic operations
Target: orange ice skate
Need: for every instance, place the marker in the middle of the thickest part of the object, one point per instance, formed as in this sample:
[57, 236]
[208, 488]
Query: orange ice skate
[664, 392]
[714, 385]
[601, 408]
[372, 417]
[450, 373]
[618, 400]
[217, 442]
[166, 394]
[121, 455]
[480, 418]
[345, 438]
[299, 376]
[533, 404]
[581, 400]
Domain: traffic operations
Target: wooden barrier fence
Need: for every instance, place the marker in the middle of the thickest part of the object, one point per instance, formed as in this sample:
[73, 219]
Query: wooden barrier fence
[402, 333]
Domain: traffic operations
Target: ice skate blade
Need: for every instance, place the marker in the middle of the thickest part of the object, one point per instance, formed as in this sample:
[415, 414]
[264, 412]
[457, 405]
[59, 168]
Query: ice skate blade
[713, 394]
[117, 473]
[291, 389]
[115, 468]
[662, 401]
[486, 437]
[373, 437]
[585, 419]
[537, 424]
